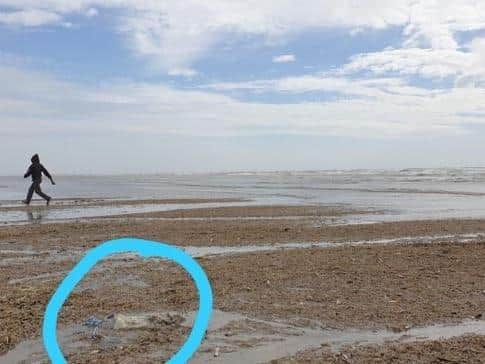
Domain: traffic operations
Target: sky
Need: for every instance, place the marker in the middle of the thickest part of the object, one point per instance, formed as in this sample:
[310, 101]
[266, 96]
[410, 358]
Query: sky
[180, 86]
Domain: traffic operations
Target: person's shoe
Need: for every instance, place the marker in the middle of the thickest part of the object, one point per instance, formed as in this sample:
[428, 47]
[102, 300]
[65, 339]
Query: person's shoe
[48, 201]
[25, 202]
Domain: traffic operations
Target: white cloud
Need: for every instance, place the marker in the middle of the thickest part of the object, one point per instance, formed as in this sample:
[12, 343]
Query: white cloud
[465, 66]
[430, 48]
[370, 95]
[185, 72]
[173, 34]
[29, 18]
[376, 88]
[432, 24]
[92, 12]
[170, 44]
[284, 58]
[32, 103]
[356, 31]
[424, 62]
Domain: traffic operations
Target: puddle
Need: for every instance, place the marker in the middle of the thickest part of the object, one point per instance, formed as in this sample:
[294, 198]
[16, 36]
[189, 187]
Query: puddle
[288, 340]
[238, 338]
[32, 351]
[204, 251]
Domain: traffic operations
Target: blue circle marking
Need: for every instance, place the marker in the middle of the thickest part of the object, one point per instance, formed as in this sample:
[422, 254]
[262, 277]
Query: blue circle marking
[146, 249]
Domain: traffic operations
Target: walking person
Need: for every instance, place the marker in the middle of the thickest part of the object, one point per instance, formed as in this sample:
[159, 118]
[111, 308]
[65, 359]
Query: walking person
[36, 170]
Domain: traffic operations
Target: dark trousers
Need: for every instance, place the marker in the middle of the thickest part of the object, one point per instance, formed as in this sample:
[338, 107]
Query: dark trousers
[35, 187]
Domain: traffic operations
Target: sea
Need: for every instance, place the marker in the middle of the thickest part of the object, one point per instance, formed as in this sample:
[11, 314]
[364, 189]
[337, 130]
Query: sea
[388, 195]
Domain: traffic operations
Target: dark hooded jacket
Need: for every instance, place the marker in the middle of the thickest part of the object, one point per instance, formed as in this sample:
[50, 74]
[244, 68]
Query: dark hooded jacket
[36, 169]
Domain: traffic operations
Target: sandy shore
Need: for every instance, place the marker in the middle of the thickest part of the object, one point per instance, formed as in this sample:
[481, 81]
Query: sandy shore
[272, 304]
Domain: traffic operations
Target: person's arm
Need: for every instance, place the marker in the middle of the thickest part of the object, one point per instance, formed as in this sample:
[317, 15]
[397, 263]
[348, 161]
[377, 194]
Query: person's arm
[47, 174]
[28, 173]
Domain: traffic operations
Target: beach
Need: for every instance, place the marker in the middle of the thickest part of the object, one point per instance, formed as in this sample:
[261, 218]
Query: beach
[238, 182]
[297, 275]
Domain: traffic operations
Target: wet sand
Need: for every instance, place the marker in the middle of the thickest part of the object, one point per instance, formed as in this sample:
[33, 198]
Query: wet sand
[254, 211]
[468, 349]
[280, 303]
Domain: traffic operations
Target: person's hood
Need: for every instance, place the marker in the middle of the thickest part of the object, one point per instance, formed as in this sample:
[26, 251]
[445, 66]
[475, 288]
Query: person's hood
[35, 158]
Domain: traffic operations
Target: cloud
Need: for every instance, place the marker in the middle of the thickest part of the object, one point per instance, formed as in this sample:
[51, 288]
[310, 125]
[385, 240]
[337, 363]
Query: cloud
[185, 72]
[92, 12]
[433, 24]
[33, 103]
[30, 18]
[430, 47]
[376, 88]
[174, 34]
[465, 66]
[428, 63]
[373, 95]
[170, 44]
[284, 58]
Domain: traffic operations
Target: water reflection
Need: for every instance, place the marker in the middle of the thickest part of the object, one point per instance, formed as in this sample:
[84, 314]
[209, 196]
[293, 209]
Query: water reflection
[38, 213]
[36, 216]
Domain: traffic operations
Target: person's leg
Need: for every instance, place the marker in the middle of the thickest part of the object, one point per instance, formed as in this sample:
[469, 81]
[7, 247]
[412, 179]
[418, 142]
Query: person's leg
[30, 193]
[40, 193]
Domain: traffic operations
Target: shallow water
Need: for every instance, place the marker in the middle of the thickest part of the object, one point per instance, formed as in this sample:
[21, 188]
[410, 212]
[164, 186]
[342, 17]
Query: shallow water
[44, 214]
[253, 341]
[280, 346]
[406, 194]
[204, 251]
